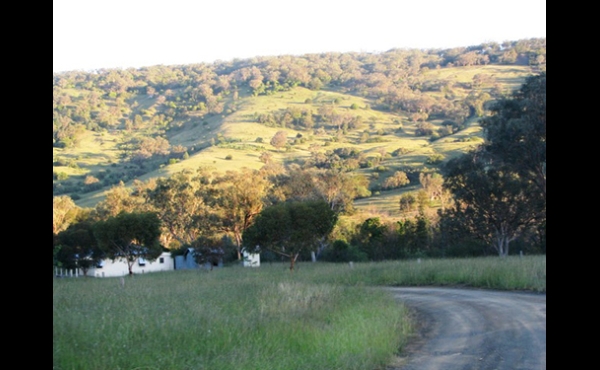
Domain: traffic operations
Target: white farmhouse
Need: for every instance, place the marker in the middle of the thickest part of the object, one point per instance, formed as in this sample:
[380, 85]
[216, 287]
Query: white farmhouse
[118, 267]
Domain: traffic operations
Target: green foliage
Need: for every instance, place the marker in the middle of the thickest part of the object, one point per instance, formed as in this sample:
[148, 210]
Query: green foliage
[60, 176]
[435, 159]
[78, 248]
[407, 202]
[341, 251]
[291, 228]
[129, 236]
[381, 169]
[492, 204]
[500, 187]
[398, 179]
[372, 239]
[399, 152]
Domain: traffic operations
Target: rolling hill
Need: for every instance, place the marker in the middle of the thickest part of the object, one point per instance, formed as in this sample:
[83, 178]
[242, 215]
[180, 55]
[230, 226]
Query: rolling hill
[389, 135]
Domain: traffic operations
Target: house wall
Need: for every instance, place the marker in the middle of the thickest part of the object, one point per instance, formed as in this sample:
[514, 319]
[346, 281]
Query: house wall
[185, 263]
[251, 259]
[119, 267]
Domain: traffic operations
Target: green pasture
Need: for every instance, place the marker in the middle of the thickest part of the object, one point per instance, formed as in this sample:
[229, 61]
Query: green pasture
[322, 316]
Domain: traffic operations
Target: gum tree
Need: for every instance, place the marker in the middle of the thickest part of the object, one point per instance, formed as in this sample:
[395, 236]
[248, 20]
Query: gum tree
[129, 236]
[290, 228]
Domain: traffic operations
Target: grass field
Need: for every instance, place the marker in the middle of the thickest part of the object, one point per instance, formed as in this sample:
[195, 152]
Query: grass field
[323, 316]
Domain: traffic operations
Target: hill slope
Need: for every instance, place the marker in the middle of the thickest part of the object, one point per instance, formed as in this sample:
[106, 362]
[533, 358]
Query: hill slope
[150, 138]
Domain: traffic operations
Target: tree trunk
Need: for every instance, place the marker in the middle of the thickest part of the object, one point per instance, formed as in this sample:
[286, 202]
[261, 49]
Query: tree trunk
[502, 245]
[238, 243]
[293, 261]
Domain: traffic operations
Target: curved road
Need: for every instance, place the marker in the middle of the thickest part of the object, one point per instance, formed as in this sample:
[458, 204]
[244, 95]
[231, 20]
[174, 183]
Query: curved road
[469, 329]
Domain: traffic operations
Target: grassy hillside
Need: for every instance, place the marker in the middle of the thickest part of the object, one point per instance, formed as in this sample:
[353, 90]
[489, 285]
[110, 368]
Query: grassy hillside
[236, 133]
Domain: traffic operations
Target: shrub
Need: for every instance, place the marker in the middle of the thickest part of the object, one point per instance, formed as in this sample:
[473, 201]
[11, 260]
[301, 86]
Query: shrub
[60, 176]
[399, 151]
[435, 159]
[229, 157]
[381, 169]
[341, 251]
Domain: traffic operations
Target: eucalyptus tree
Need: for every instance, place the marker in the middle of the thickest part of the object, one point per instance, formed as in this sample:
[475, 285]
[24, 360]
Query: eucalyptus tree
[118, 199]
[182, 202]
[279, 140]
[491, 203]
[334, 186]
[499, 188]
[238, 199]
[290, 228]
[64, 211]
[78, 247]
[129, 236]
[339, 188]
[516, 131]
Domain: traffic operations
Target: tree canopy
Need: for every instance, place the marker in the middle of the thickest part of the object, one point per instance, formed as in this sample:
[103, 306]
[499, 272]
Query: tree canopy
[290, 228]
[500, 188]
[129, 236]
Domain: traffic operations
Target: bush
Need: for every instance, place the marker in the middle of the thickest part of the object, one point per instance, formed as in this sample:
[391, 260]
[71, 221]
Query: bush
[435, 159]
[399, 151]
[340, 251]
[381, 168]
[60, 176]
[229, 157]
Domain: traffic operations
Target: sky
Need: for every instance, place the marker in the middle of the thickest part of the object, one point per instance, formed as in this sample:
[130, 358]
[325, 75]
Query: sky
[95, 34]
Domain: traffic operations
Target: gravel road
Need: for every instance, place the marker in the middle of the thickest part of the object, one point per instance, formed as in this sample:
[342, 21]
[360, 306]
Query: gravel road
[469, 329]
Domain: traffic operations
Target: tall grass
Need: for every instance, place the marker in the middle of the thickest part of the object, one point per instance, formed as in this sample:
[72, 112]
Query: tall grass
[323, 316]
[526, 273]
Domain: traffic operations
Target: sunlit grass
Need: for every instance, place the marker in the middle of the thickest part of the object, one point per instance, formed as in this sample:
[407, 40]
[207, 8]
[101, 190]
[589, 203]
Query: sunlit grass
[323, 316]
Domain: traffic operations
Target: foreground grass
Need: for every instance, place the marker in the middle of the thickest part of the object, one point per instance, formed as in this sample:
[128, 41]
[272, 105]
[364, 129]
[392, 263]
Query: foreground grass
[324, 316]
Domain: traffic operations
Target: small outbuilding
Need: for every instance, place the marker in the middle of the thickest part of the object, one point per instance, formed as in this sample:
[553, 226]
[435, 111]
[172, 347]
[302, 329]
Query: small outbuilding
[250, 259]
